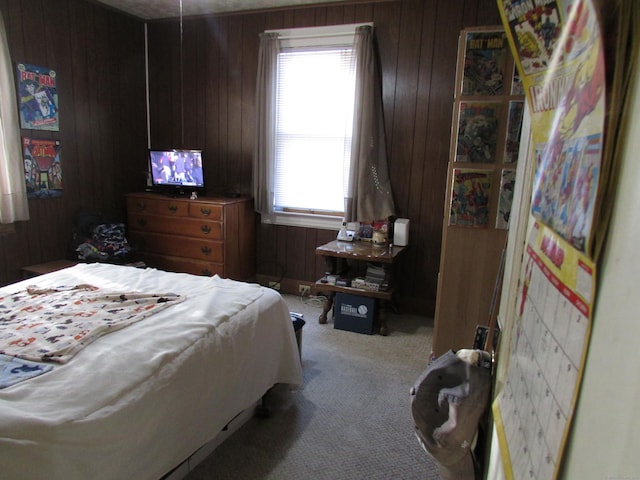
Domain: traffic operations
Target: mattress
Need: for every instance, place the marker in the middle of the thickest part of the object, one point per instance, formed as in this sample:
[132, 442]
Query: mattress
[136, 402]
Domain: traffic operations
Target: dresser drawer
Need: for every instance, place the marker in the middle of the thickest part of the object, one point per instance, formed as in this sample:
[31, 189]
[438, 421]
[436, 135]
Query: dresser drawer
[173, 245]
[142, 205]
[189, 227]
[180, 264]
[206, 210]
[172, 207]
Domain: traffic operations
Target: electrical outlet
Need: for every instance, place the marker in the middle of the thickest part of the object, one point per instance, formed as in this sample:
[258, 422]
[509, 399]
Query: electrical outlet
[274, 285]
[304, 290]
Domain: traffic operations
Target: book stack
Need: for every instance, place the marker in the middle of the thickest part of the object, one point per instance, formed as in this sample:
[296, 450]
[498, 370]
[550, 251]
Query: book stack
[376, 278]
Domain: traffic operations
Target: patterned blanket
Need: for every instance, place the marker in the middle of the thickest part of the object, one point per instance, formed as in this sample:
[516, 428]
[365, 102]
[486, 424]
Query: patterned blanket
[55, 323]
[13, 370]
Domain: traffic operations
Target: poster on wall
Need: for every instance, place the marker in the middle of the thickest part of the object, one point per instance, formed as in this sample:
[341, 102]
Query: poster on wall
[477, 132]
[559, 53]
[564, 81]
[37, 97]
[484, 63]
[516, 84]
[507, 186]
[42, 167]
[514, 127]
[470, 198]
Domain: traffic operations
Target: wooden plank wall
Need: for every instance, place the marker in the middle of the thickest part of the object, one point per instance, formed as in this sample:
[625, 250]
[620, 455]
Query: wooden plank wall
[417, 43]
[98, 56]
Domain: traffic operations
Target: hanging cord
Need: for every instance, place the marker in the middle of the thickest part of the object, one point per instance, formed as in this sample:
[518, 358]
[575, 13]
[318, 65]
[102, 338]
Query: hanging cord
[181, 80]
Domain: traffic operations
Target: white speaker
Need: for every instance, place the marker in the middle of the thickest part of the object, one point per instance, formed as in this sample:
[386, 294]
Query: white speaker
[401, 232]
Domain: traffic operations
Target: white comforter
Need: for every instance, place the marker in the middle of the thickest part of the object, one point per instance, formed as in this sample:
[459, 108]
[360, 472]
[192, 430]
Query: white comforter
[138, 401]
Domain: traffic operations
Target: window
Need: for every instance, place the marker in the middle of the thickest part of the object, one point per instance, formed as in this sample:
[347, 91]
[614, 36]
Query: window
[313, 130]
[320, 148]
[315, 86]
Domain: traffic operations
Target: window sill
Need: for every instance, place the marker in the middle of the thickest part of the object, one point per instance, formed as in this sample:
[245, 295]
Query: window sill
[303, 220]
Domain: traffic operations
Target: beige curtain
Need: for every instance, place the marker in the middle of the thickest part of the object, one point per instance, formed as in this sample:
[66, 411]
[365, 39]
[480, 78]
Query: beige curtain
[369, 195]
[13, 195]
[266, 88]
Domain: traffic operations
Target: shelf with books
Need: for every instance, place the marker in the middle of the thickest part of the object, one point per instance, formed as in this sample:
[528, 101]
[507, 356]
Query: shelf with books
[357, 268]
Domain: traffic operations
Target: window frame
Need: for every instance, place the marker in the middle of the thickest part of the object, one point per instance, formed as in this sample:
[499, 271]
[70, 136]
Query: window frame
[327, 36]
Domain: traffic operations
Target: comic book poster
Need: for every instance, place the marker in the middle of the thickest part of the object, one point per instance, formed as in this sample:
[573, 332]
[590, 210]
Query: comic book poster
[477, 132]
[558, 47]
[42, 167]
[484, 63]
[535, 30]
[507, 185]
[37, 97]
[514, 126]
[564, 81]
[517, 88]
[564, 196]
[470, 198]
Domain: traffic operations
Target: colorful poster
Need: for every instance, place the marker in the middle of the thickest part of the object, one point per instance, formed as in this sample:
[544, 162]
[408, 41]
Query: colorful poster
[37, 97]
[564, 81]
[484, 63]
[558, 45]
[507, 185]
[535, 29]
[565, 187]
[514, 127]
[42, 167]
[477, 132]
[470, 198]
[516, 84]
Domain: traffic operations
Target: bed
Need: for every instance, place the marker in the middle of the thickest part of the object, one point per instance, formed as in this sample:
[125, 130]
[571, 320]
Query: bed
[137, 402]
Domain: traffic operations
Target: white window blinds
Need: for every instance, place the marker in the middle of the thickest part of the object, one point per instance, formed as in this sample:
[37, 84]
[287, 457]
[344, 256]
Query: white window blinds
[313, 128]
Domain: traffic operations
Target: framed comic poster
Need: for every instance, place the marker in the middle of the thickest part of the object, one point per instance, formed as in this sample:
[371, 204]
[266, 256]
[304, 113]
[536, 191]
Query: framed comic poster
[477, 139]
[517, 88]
[470, 197]
[484, 62]
[514, 127]
[37, 97]
[42, 167]
[505, 199]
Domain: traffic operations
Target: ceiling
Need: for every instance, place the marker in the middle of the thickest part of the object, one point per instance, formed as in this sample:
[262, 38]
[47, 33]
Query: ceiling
[157, 9]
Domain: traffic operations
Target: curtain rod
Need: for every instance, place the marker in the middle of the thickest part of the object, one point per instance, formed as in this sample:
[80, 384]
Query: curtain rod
[318, 35]
[334, 33]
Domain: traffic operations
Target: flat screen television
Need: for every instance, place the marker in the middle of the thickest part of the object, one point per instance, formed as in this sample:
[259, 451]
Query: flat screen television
[176, 172]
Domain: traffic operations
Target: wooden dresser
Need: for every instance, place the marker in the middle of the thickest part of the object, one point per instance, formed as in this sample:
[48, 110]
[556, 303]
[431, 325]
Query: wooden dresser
[207, 236]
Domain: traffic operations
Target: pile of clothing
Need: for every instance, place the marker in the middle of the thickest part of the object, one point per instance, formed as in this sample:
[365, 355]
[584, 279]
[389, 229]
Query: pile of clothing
[97, 240]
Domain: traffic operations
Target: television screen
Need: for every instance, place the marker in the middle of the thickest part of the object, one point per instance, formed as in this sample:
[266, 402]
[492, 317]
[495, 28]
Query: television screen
[176, 171]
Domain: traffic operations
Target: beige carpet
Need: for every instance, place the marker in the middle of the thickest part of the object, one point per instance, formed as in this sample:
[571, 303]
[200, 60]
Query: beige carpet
[349, 420]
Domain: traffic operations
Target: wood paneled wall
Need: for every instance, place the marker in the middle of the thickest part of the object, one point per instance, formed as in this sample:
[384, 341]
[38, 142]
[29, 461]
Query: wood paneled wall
[98, 56]
[204, 98]
[417, 43]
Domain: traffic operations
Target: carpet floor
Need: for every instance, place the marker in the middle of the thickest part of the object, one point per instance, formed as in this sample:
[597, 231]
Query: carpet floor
[350, 419]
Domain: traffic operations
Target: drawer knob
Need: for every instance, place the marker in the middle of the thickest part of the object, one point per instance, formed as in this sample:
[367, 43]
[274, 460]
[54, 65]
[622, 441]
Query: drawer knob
[142, 222]
[141, 205]
[172, 208]
[206, 229]
[205, 250]
[205, 211]
[207, 272]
